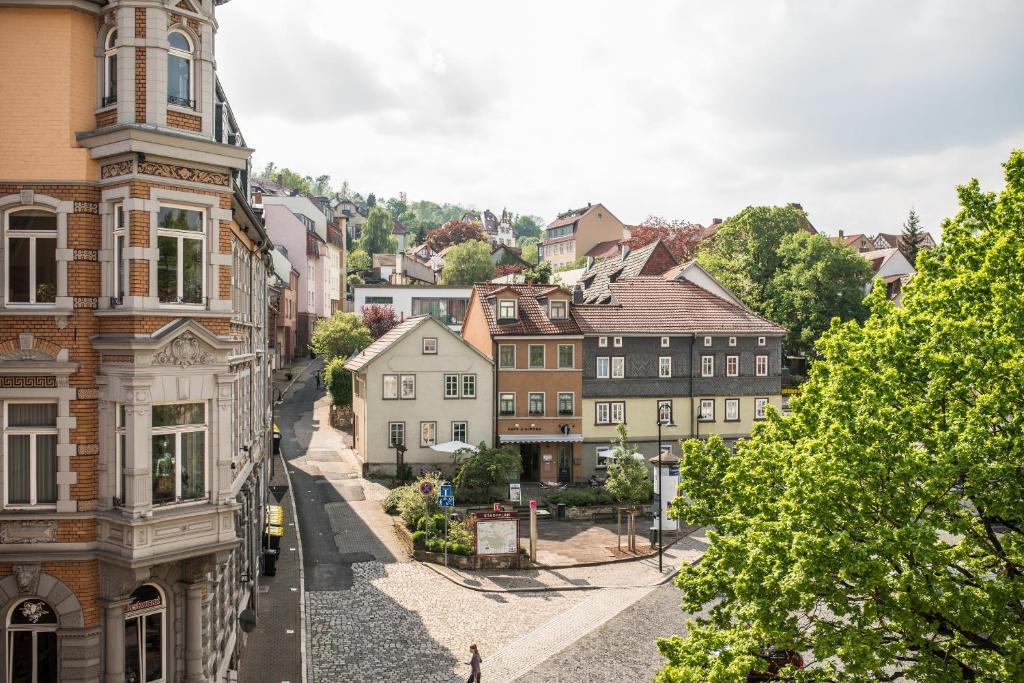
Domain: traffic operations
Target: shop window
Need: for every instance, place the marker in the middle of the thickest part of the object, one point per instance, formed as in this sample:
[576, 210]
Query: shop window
[144, 642]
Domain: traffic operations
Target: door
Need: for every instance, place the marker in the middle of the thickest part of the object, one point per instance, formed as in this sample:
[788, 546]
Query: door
[530, 454]
[564, 463]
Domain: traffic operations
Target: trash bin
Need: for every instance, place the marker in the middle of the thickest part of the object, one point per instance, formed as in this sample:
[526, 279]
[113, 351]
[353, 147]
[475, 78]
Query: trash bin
[277, 440]
[269, 562]
[654, 536]
[273, 530]
[561, 511]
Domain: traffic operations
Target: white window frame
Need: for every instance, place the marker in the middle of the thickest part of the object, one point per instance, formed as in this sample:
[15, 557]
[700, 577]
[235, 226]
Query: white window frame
[665, 342]
[181, 236]
[176, 431]
[707, 366]
[761, 341]
[617, 342]
[466, 392]
[507, 346]
[760, 408]
[426, 442]
[120, 448]
[401, 387]
[188, 57]
[665, 366]
[732, 341]
[735, 404]
[141, 616]
[447, 380]
[464, 437]
[32, 433]
[120, 282]
[671, 412]
[543, 357]
[515, 309]
[32, 236]
[602, 342]
[732, 366]
[617, 412]
[700, 411]
[603, 367]
[428, 348]
[572, 403]
[618, 367]
[393, 433]
[503, 396]
[543, 403]
[707, 341]
[35, 630]
[384, 387]
[561, 303]
[602, 413]
[761, 366]
[572, 351]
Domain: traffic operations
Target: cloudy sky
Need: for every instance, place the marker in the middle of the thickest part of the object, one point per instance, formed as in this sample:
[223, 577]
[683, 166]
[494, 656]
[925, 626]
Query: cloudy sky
[858, 110]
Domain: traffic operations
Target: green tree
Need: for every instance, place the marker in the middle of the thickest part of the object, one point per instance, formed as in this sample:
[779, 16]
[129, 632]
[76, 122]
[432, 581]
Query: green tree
[578, 262]
[396, 206]
[816, 281]
[879, 524]
[420, 235]
[339, 336]
[321, 186]
[467, 263]
[487, 468]
[529, 247]
[359, 260]
[628, 481]
[526, 226]
[539, 274]
[338, 381]
[371, 200]
[912, 237]
[376, 237]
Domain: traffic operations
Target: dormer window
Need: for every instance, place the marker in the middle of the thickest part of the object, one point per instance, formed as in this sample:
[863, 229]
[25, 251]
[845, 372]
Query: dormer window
[558, 310]
[179, 70]
[506, 309]
[110, 69]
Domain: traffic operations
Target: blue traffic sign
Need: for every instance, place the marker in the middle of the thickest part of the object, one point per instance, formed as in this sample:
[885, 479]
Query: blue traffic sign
[446, 501]
[446, 490]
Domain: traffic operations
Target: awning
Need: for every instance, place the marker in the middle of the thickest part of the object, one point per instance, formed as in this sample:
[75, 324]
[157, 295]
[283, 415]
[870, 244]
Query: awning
[453, 447]
[540, 438]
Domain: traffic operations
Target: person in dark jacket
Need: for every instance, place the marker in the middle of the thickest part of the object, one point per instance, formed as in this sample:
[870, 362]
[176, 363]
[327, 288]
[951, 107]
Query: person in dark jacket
[474, 665]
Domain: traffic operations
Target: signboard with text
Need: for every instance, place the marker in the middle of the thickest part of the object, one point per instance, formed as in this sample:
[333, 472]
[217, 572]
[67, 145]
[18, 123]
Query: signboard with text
[497, 533]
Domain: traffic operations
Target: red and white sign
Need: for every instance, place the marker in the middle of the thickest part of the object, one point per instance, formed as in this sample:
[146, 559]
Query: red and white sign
[497, 507]
[533, 504]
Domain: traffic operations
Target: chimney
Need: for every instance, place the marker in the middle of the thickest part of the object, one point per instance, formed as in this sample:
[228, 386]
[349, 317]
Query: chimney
[840, 233]
[590, 262]
[625, 251]
[577, 294]
[716, 221]
[588, 205]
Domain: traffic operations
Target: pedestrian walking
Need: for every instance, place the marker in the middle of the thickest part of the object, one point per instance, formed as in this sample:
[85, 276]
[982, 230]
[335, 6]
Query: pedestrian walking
[318, 380]
[474, 665]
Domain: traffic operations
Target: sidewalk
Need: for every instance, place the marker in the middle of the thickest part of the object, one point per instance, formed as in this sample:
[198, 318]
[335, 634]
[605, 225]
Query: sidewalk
[632, 574]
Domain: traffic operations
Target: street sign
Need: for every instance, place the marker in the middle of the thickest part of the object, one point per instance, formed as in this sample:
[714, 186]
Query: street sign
[426, 488]
[533, 504]
[497, 507]
[446, 501]
[445, 490]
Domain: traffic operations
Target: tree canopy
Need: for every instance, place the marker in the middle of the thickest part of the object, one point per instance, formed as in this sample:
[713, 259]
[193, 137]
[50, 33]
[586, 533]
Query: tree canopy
[379, 319]
[681, 237]
[765, 256]
[879, 526]
[359, 260]
[527, 226]
[455, 232]
[529, 247]
[340, 335]
[628, 481]
[376, 237]
[467, 263]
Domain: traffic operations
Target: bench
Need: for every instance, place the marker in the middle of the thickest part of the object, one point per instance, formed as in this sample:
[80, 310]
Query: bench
[598, 516]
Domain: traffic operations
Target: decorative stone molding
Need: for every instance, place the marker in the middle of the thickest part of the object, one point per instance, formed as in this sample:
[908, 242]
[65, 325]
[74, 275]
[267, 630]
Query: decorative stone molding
[129, 360]
[28, 531]
[118, 582]
[27, 196]
[184, 173]
[184, 351]
[87, 207]
[116, 169]
[28, 382]
[27, 576]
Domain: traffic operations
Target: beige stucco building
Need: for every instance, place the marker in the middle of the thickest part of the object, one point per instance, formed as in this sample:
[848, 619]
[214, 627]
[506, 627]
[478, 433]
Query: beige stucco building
[419, 385]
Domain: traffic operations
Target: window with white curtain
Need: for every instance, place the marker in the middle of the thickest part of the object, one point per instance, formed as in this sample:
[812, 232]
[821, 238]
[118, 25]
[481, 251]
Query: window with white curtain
[178, 452]
[30, 440]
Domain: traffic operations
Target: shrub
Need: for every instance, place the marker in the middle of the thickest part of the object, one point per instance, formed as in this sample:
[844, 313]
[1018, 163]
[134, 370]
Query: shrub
[581, 497]
[412, 504]
[339, 382]
[390, 502]
[488, 467]
[419, 539]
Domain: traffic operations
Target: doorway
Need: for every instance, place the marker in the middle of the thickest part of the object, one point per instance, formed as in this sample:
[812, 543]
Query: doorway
[530, 454]
[564, 463]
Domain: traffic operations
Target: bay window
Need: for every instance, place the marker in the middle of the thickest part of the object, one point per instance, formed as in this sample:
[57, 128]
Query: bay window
[181, 242]
[178, 452]
[30, 449]
[31, 256]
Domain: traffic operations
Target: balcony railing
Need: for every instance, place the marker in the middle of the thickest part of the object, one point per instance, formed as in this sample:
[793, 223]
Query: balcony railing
[109, 100]
[181, 101]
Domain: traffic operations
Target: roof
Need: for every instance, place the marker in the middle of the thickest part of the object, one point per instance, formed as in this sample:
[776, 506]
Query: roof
[878, 257]
[651, 304]
[533, 319]
[397, 228]
[360, 360]
[596, 279]
[512, 250]
[571, 216]
[383, 260]
[282, 266]
[604, 249]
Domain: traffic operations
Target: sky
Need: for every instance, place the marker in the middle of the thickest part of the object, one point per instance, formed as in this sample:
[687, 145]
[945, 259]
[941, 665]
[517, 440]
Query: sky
[858, 110]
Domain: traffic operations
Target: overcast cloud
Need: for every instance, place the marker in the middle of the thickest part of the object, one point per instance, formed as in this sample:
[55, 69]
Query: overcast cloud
[856, 109]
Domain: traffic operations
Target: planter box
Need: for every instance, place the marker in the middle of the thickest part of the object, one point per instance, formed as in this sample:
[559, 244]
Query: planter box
[459, 561]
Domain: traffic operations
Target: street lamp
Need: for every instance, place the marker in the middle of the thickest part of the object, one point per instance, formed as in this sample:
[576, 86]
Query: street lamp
[664, 418]
[277, 397]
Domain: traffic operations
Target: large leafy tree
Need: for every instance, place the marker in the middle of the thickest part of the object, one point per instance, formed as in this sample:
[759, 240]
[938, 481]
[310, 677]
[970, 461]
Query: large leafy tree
[526, 226]
[680, 236]
[529, 247]
[467, 263]
[455, 232]
[359, 260]
[339, 336]
[878, 528]
[379, 319]
[376, 237]
[912, 237]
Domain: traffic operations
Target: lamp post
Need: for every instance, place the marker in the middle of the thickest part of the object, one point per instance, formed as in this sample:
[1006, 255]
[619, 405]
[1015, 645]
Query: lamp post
[277, 397]
[664, 417]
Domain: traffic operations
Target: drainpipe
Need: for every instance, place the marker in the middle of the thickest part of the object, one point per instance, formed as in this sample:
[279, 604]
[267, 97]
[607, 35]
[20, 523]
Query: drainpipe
[494, 391]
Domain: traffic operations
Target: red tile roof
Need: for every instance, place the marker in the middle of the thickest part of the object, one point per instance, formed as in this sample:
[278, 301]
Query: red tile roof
[604, 249]
[649, 304]
[533, 318]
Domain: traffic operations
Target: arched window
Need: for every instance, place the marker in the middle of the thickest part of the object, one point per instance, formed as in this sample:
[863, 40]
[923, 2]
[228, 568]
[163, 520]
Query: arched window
[144, 636]
[31, 249]
[179, 70]
[110, 69]
[32, 643]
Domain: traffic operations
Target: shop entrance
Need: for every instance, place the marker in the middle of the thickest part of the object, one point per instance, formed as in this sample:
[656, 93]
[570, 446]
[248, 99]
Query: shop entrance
[530, 453]
[564, 463]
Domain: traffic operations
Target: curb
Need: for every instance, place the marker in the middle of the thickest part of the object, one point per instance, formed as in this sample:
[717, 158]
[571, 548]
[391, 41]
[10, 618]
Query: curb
[302, 567]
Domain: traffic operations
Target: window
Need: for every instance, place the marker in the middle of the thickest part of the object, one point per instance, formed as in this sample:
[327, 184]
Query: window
[761, 341]
[144, 635]
[460, 431]
[665, 366]
[707, 366]
[390, 386]
[707, 341]
[31, 256]
[179, 70]
[665, 412]
[558, 310]
[120, 268]
[451, 386]
[469, 386]
[119, 451]
[30, 431]
[566, 403]
[732, 409]
[430, 345]
[181, 240]
[445, 311]
[732, 341]
[507, 404]
[732, 366]
[506, 309]
[396, 434]
[408, 386]
[602, 342]
[428, 434]
[617, 342]
[664, 342]
[605, 454]
[618, 411]
[110, 69]
[178, 452]
[32, 643]
[379, 300]
[707, 410]
[601, 413]
[602, 367]
[618, 367]
[759, 408]
[536, 355]
[761, 369]
[536, 402]
[566, 356]
[506, 355]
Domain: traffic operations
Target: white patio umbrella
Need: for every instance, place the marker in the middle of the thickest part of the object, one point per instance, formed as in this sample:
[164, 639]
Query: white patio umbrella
[453, 447]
